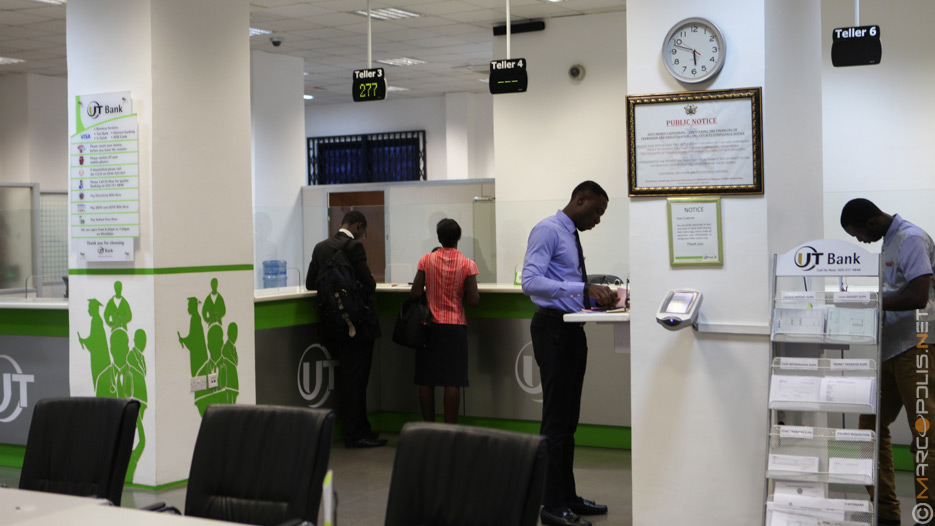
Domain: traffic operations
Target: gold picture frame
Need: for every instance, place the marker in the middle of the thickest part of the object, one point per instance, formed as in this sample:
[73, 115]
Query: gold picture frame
[695, 143]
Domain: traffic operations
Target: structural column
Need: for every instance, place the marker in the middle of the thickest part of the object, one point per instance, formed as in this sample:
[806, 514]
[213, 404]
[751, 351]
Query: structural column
[145, 328]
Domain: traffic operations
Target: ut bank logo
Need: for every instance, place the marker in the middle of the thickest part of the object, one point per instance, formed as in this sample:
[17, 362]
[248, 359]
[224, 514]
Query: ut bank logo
[524, 369]
[94, 109]
[314, 385]
[14, 397]
[807, 258]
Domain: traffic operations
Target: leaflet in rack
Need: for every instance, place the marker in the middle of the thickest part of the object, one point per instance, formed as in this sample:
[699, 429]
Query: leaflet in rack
[846, 394]
[826, 322]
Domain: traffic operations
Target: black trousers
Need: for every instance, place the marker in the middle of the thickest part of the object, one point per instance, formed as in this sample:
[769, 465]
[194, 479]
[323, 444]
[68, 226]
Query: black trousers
[355, 357]
[561, 350]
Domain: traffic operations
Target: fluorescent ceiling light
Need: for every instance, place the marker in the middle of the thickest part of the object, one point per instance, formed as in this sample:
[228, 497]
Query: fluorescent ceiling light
[256, 31]
[308, 97]
[396, 88]
[403, 61]
[5, 61]
[389, 13]
[53, 2]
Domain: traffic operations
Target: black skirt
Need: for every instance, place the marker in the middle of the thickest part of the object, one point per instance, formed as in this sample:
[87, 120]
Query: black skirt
[444, 360]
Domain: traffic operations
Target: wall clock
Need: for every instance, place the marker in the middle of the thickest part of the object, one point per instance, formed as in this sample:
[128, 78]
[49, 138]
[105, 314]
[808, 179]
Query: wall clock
[694, 50]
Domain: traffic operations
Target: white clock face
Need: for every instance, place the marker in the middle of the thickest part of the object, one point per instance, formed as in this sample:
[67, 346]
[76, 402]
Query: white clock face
[693, 50]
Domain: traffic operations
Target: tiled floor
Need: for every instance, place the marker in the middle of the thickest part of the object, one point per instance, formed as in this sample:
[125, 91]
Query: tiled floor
[362, 478]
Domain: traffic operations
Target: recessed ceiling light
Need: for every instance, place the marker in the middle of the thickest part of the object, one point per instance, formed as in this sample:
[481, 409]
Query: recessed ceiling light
[403, 61]
[396, 88]
[5, 61]
[256, 31]
[389, 13]
[308, 97]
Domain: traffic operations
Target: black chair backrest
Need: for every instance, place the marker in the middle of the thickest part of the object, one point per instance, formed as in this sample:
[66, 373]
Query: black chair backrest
[80, 446]
[451, 475]
[259, 464]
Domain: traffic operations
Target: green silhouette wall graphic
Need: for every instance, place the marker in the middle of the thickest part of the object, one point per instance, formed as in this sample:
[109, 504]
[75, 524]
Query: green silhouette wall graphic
[212, 354]
[118, 371]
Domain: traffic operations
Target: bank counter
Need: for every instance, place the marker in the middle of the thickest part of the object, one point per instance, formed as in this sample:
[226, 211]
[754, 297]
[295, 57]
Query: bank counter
[293, 368]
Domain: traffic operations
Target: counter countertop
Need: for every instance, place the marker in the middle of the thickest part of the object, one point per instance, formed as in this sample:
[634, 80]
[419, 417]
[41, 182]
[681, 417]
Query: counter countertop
[288, 293]
[259, 295]
[17, 302]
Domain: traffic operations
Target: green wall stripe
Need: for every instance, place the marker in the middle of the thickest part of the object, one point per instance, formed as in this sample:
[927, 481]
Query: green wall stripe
[492, 305]
[587, 434]
[902, 458]
[11, 455]
[155, 271]
[157, 488]
[34, 322]
[300, 311]
[285, 313]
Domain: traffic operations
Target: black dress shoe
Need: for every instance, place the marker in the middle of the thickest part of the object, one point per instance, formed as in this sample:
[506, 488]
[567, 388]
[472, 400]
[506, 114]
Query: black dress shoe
[367, 442]
[373, 435]
[565, 518]
[587, 507]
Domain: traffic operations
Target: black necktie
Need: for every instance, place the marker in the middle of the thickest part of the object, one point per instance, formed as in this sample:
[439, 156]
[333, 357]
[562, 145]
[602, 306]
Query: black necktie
[584, 273]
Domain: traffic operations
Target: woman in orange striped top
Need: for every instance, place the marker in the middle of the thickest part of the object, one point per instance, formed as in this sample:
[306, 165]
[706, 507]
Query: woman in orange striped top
[446, 276]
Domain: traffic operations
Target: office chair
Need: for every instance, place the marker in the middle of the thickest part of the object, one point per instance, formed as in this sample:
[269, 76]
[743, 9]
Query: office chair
[452, 475]
[80, 446]
[259, 464]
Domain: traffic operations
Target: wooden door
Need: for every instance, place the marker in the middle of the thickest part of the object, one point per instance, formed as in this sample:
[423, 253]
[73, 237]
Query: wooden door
[371, 205]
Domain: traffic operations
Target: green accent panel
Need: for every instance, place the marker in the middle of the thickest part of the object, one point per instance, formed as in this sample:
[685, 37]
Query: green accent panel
[388, 303]
[34, 322]
[587, 434]
[155, 271]
[902, 458]
[285, 313]
[11, 455]
[492, 305]
[503, 305]
[159, 487]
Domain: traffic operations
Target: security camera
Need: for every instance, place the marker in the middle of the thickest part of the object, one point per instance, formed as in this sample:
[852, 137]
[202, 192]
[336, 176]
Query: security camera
[576, 72]
[277, 41]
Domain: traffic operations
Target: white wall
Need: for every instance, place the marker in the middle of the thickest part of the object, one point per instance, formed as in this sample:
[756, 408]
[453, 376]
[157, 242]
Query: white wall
[877, 128]
[34, 135]
[699, 400]
[279, 159]
[560, 133]
[458, 128]
[877, 121]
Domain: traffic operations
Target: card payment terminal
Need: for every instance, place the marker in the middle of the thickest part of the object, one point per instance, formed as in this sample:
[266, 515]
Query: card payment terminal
[679, 309]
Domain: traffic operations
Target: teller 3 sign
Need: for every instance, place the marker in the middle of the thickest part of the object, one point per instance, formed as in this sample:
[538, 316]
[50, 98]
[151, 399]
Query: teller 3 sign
[693, 50]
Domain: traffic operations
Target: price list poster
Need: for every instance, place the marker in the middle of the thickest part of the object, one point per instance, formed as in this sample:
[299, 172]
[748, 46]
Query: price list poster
[104, 177]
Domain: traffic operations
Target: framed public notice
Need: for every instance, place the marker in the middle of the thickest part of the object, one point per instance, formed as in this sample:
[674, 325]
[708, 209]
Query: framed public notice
[705, 142]
[695, 231]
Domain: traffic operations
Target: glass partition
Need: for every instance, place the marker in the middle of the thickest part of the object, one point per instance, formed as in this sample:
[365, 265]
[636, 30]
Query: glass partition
[19, 245]
[493, 233]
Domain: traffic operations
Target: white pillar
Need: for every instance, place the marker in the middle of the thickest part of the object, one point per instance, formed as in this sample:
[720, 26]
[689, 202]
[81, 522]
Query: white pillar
[187, 68]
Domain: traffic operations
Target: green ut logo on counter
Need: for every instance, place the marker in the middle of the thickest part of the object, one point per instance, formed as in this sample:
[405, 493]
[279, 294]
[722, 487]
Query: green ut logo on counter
[213, 359]
[117, 370]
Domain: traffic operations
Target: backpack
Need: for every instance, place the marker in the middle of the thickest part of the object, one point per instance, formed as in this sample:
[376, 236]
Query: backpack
[340, 297]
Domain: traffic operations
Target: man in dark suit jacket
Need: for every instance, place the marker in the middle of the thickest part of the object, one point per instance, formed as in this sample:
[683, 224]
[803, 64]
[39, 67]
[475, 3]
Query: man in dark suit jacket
[355, 353]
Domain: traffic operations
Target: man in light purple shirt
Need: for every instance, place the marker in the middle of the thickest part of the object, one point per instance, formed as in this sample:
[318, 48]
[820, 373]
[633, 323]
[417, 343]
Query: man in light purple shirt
[555, 279]
[907, 375]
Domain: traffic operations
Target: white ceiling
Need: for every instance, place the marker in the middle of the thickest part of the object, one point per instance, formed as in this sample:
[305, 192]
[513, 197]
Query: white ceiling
[454, 38]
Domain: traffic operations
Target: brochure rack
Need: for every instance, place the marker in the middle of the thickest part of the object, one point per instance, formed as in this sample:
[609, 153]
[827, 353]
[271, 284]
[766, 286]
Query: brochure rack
[824, 364]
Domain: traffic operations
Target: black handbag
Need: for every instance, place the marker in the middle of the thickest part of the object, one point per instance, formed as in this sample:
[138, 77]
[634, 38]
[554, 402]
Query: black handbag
[412, 324]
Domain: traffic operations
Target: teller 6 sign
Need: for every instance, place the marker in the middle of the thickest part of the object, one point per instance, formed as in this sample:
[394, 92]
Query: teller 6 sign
[369, 84]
